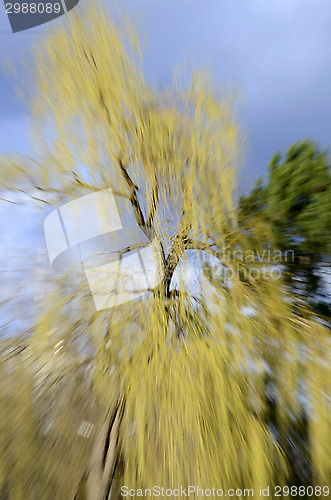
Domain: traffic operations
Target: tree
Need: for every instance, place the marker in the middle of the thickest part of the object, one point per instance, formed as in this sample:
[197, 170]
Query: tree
[296, 202]
[178, 400]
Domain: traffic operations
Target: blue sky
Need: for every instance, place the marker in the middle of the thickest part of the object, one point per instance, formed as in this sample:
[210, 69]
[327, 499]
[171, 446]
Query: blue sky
[277, 55]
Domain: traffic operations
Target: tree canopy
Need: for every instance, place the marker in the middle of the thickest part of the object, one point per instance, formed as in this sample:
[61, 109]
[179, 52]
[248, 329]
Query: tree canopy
[296, 203]
[187, 387]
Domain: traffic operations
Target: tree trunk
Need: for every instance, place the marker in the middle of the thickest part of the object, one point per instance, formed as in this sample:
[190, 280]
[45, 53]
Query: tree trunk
[104, 456]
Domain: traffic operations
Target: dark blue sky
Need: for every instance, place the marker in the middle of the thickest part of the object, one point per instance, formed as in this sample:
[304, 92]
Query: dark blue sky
[276, 54]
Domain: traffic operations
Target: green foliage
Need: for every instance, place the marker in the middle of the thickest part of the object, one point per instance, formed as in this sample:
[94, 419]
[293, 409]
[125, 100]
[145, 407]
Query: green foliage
[296, 203]
[299, 197]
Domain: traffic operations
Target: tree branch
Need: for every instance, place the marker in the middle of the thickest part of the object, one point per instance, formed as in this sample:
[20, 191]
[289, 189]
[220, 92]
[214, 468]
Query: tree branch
[176, 251]
[133, 194]
[130, 184]
[154, 203]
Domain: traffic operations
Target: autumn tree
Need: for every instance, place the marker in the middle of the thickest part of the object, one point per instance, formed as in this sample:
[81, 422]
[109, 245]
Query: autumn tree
[180, 377]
